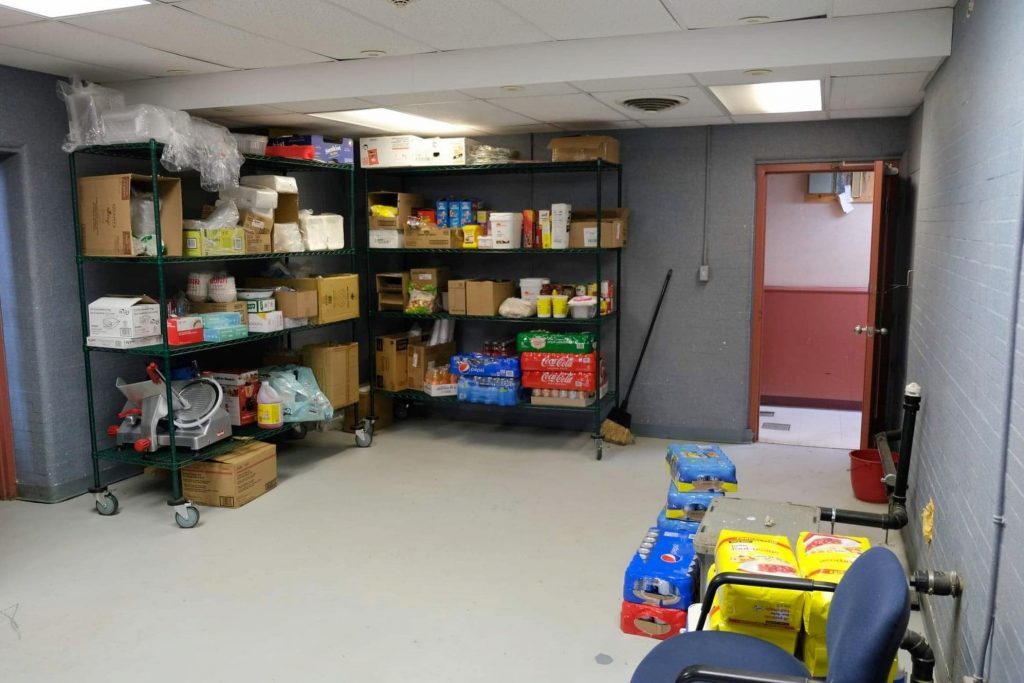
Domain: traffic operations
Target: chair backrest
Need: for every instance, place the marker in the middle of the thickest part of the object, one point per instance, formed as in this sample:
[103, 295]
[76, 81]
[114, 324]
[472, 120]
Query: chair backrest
[867, 619]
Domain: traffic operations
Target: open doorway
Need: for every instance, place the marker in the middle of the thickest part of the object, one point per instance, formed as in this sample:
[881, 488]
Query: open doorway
[816, 259]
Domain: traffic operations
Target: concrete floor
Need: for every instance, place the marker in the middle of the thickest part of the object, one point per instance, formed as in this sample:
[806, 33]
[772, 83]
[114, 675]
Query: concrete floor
[446, 552]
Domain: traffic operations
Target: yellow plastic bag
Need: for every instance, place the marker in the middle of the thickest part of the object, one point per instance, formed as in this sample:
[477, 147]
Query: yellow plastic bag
[384, 211]
[779, 636]
[750, 553]
[824, 557]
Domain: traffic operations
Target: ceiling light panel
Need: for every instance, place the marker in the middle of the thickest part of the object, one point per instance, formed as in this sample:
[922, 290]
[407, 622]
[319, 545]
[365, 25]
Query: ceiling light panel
[68, 8]
[473, 114]
[392, 121]
[779, 97]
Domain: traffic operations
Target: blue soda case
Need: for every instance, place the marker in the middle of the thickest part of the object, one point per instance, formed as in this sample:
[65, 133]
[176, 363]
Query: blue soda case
[690, 505]
[681, 526]
[499, 391]
[666, 576]
[700, 468]
[479, 365]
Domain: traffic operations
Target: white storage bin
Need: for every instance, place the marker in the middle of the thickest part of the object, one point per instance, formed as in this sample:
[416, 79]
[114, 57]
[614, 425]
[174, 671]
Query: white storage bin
[251, 144]
[506, 229]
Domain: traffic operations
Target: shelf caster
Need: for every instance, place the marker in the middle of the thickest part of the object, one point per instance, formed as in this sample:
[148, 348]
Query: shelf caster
[401, 409]
[186, 515]
[599, 446]
[106, 503]
[298, 431]
[364, 435]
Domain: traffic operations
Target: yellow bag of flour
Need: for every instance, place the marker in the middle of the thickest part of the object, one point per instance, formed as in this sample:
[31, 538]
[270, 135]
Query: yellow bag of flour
[750, 553]
[780, 636]
[824, 557]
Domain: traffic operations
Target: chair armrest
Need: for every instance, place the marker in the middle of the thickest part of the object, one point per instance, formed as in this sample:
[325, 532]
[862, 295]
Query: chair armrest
[760, 581]
[713, 674]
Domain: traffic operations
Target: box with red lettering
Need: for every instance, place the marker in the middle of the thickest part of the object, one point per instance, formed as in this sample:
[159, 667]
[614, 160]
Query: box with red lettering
[576, 362]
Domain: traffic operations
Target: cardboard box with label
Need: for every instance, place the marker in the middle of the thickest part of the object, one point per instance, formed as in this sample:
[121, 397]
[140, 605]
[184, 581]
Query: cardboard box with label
[259, 231]
[457, 297]
[392, 359]
[271, 321]
[614, 229]
[234, 478]
[483, 297]
[184, 330]
[404, 203]
[297, 304]
[214, 307]
[214, 241]
[105, 213]
[337, 295]
[388, 150]
[383, 408]
[386, 239]
[432, 277]
[336, 368]
[422, 357]
[240, 390]
[443, 151]
[433, 238]
[260, 305]
[124, 316]
[584, 148]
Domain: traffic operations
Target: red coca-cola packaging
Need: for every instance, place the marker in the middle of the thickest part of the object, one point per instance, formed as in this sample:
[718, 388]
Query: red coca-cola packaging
[576, 362]
[560, 379]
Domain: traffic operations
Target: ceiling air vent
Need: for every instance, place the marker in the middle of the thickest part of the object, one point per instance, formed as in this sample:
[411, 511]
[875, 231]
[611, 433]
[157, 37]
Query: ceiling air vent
[653, 105]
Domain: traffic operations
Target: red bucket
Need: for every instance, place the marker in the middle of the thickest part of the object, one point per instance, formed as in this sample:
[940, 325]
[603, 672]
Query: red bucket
[866, 475]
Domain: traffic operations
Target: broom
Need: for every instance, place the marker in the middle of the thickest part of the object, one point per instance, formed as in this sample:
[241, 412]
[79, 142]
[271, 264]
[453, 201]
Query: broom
[616, 428]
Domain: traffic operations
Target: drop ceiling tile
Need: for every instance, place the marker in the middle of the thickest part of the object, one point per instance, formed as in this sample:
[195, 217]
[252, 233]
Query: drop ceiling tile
[871, 113]
[48, 64]
[519, 90]
[311, 106]
[74, 43]
[10, 17]
[781, 118]
[458, 25]
[704, 14]
[637, 83]
[239, 110]
[315, 25]
[886, 66]
[699, 103]
[570, 19]
[474, 114]
[846, 8]
[170, 28]
[562, 108]
[416, 98]
[284, 120]
[793, 73]
[679, 123]
[875, 92]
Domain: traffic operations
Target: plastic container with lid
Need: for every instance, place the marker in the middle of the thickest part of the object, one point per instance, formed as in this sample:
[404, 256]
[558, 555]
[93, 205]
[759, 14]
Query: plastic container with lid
[583, 306]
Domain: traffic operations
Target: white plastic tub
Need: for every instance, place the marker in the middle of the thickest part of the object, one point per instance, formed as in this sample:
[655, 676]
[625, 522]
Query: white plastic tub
[583, 306]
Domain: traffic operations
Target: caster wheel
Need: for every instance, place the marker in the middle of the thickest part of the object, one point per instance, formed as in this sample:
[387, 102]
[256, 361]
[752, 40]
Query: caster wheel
[401, 410]
[364, 438]
[298, 432]
[600, 452]
[107, 505]
[190, 519]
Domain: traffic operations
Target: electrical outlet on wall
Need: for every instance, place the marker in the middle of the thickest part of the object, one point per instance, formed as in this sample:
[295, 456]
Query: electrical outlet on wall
[704, 274]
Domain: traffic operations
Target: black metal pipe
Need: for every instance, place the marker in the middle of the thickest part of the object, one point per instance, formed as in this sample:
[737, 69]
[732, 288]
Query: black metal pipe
[921, 657]
[896, 518]
[759, 581]
[714, 674]
[911, 404]
[882, 441]
[937, 583]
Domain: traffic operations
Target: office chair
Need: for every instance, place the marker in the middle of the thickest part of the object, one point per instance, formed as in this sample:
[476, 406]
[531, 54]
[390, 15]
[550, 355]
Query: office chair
[866, 622]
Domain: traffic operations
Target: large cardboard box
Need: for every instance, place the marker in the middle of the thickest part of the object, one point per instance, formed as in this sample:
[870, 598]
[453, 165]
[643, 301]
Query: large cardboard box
[124, 316]
[443, 151]
[433, 238]
[483, 297]
[232, 479]
[105, 213]
[614, 229]
[392, 360]
[457, 297]
[584, 148]
[382, 411]
[214, 307]
[337, 295]
[388, 150]
[336, 368]
[433, 277]
[299, 304]
[405, 202]
[422, 356]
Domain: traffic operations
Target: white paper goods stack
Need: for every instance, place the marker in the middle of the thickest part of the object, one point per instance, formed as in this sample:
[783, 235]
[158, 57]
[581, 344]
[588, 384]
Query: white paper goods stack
[560, 216]
[256, 199]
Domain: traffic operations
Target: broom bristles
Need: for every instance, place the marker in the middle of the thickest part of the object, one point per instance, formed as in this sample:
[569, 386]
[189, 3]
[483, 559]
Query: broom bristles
[615, 433]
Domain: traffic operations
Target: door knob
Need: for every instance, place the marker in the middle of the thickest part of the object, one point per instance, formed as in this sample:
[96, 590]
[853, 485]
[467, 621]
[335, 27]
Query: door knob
[870, 331]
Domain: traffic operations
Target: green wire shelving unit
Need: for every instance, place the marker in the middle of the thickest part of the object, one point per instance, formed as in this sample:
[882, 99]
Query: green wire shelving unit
[172, 458]
[598, 170]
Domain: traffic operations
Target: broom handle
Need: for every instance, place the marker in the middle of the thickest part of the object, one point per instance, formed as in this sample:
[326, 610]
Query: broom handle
[650, 329]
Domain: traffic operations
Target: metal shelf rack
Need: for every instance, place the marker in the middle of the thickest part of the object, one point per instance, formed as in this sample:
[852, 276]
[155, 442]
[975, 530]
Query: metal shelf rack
[598, 169]
[174, 458]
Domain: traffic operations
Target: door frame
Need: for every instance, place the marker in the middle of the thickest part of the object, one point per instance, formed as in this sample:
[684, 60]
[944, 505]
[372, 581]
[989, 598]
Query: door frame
[8, 482]
[757, 299]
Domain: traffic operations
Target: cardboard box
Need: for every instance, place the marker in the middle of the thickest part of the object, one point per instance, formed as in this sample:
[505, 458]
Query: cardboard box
[433, 238]
[110, 343]
[124, 316]
[392, 291]
[422, 356]
[240, 390]
[185, 330]
[443, 151]
[483, 297]
[213, 307]
[614, 229]
[287, 210]
[387, 151]
[336, 368]
[232, 479]
[260, 305]
[337, 295]
[259, 231]
[271, 321]
[299, 304]
[392, 360]
[584, 148]
[457, 297]
[386, 239]
[405, 202]
[435, 277]
[214, 241]
[105, 215]
[382, 411]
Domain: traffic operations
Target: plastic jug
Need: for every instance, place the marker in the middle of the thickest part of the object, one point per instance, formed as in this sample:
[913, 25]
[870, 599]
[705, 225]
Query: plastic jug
[268, 407]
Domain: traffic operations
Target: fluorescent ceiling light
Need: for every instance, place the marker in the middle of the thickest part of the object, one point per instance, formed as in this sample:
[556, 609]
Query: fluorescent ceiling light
[782, 97]
[392, 121]
[67, 8]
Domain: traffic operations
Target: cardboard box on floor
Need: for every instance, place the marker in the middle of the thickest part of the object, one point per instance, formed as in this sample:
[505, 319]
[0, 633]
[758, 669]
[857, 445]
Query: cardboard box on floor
[336, 368]
[614, 229]
[483, 297]
[337, 294]
[232, 479]
[420, 358]
[405, 202]
[584, 148]
[105, 213]
[382, 411]
[392, 358]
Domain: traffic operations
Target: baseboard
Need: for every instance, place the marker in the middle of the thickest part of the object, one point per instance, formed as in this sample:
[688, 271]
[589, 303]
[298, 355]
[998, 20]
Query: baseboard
[804, 402]
[76, 487]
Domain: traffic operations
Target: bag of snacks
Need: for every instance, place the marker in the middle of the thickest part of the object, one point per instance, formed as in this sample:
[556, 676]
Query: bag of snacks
[750, 553]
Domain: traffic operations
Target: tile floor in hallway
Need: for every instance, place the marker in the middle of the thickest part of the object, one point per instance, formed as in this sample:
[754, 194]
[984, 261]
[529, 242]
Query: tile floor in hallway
[448, 551]
[810, 427]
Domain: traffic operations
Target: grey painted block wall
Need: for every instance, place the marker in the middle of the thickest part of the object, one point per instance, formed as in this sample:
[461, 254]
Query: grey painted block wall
[967, 165]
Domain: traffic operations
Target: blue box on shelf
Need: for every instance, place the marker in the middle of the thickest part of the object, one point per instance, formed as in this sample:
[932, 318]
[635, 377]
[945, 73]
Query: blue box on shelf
[480, 365]
[664, 571]
[499, 391]
[441, 213]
